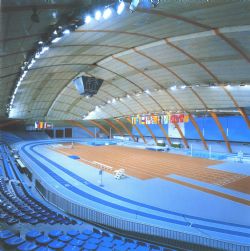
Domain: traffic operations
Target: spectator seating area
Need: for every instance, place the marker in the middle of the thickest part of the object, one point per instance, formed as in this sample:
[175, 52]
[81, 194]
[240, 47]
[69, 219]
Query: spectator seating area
[17, 203]
[72, 240]
[19, 206]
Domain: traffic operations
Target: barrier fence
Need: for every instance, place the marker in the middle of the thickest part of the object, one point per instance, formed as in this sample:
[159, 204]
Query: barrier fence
[92, 215]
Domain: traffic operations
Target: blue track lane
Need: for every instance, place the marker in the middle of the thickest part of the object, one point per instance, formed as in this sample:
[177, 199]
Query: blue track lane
[122, 208]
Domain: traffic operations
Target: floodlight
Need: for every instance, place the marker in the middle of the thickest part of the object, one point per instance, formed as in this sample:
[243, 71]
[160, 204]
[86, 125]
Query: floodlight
[107, 13]
[120, 7]
[88, 19]
[134, 4]
[98, 15]
[66, 32]
[55, 40]
[155, 2]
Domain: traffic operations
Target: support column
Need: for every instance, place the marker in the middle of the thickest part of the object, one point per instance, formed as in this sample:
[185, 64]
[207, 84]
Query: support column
[75, 123]
[113, 126]
[100, 126]
[138, 130]
[125, 128]
[151, 132]
[214, 116]
[182, 135]
[165, 134]
[198, 130]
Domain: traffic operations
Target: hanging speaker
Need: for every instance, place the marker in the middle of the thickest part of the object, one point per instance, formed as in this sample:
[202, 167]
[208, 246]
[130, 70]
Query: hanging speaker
[87, 86]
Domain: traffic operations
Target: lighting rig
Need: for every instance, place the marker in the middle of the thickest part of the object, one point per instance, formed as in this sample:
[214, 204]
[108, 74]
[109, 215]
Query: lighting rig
[60, 31]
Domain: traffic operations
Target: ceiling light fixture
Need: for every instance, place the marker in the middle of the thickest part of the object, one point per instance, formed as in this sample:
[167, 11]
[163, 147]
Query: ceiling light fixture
[107, 13]
[55, 40]
[98, 15]
[120, 8]
[133, 5]
[88, 19]
[155, 2]
[66, 32]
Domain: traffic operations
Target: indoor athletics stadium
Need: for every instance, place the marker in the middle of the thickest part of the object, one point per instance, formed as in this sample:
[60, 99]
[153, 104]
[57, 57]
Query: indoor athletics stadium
[125, 125]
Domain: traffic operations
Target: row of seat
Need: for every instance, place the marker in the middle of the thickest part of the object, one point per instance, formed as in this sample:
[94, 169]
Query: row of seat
[18, 205]
[73, 240]
[7, 211]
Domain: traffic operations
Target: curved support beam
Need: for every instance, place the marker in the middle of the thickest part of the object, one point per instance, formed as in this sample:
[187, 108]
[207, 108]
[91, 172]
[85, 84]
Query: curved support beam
[119, 32]
[125, 128]
[182, 135]
[152, 134]
[173, 73]
[165, 134]
[244, 115]
[198, 130]
[217, 31]
[234, 46]
[90, 45]
[11, 122]
[99, 126]
[147, 76]
[113, 126]
[121, 76]
[78, 124]
[196, 61]
[124, 103]
[214, 116]
[138, 130]
[59, 93]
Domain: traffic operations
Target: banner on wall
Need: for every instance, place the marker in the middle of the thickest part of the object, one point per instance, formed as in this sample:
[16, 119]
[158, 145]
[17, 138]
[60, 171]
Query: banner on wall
[173, 131]
[155, 119]
[43, 125]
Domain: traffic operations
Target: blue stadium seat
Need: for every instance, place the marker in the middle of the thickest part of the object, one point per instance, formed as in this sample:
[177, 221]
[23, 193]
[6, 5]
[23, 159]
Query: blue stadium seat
[143, 248]
[55, 233]
[5, 234]
[87, 232]
[107, 239]
[104, 249]
[33, 234]
[118, 242]
[73, 233]
[90, 246]
[76, 242]
[121, 248]
[14, 241]
[27, 246]
[43, 240]
[56, 245]
[107, 244]
[71, 248]
[82, 237]
[96, 235]
[94, 240]
[44, 249]
[65, 238]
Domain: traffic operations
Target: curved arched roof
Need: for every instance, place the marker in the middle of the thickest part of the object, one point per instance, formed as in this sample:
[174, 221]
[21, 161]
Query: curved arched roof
[181, 56]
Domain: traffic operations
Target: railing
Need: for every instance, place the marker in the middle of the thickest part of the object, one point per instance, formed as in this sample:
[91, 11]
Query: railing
[68, 205]
[92, 215]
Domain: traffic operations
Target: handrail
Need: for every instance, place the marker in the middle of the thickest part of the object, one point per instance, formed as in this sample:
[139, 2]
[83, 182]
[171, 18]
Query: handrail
[83, 211]
[91, 214]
